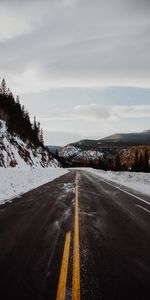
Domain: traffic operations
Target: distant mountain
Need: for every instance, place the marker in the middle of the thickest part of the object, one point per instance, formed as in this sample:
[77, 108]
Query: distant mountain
[53, 149]
[130, 139]
[147, 131]
[126, 139]
[86, 144]
[106, 147]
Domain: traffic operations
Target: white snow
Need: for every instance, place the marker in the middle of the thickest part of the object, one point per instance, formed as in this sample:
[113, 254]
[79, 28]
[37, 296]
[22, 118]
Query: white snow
[14, 181]
[89, 155]
[69, 151]
[17, 153]
[23, 167]
[78, 154]
[139, 182]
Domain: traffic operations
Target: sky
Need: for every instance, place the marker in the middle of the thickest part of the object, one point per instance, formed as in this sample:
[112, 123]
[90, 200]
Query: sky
[81, 66]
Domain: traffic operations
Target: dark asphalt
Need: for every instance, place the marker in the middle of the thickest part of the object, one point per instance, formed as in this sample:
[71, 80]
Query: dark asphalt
[114, 241]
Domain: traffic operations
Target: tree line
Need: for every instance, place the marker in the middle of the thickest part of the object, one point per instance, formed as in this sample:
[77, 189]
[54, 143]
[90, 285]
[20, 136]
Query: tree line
[141, 163]
[17, 117]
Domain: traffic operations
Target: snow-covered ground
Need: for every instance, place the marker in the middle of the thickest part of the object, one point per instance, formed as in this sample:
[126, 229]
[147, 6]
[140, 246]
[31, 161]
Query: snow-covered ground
[139, 182]
[14, 182]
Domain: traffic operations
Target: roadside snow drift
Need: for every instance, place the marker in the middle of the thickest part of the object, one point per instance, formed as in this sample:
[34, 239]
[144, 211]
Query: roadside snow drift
[139, 182]
[14, 182]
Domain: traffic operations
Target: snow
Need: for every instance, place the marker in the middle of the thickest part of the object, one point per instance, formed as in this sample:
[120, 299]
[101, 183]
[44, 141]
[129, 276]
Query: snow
[14, 181]
[89, 155]
[139, 182]
[78, 154]
[23, 167]
[14, 152]
[69, 151]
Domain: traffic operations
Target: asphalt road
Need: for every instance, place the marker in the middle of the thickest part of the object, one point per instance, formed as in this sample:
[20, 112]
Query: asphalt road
[113, 228]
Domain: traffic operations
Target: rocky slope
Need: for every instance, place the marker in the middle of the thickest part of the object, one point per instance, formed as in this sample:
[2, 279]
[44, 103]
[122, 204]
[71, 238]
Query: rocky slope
[14, 152]
[77, 154]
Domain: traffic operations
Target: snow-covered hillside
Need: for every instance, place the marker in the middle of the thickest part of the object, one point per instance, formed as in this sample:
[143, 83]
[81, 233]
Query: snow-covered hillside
[16, 153]
[89, 155]
[69, 151]
[79, 154]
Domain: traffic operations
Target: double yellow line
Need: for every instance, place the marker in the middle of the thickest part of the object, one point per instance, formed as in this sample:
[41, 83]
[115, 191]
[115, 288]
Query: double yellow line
[61, 292]
[76, 255]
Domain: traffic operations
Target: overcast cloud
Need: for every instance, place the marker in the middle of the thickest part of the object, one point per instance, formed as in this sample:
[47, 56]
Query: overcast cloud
[77, 43]
[94, 112]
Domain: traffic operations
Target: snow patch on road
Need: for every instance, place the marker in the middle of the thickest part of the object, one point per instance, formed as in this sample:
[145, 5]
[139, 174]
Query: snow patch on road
[92, 214]
[67, 213]
[68, 187]
[14, 182]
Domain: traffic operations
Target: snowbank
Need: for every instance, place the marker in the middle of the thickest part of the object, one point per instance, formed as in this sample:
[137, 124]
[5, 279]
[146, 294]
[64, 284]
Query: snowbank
[14, 182]
[136, 181]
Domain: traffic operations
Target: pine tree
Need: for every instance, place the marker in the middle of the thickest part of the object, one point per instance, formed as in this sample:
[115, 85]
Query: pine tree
[146, 161]
[3, 87]
[57, 153]
[118, 163]
[140, 163]
[17, 118]
[35, 132]
[38, 131]
[135, 165]
[17, 99]
[23, 110]
[41, 137]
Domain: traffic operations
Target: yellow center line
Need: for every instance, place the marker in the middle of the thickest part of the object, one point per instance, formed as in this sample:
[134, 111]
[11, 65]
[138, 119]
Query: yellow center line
[76, 255]
[64, 269]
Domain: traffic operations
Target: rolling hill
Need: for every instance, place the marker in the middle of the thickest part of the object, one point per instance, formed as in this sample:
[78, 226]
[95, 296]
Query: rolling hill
[119, 139]
[106, 148]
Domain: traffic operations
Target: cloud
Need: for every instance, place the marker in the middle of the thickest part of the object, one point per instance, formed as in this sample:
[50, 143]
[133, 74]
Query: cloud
[93, 121]
[12, 23]
[97, 113]
[60, 137]
[92, 111]
[134, 111]
[75, 43]
[115, 112]
[30, 81]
